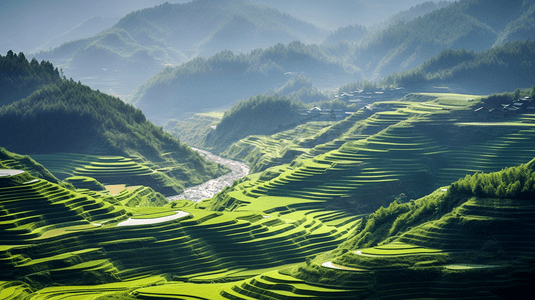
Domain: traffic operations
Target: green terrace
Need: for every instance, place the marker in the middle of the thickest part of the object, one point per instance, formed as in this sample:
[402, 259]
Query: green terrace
[78, 239]
[34, 207]
[112, 170]
[404, 147]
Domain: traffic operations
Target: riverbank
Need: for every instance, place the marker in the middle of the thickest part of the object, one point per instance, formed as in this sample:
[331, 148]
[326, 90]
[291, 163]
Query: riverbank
[214, 186]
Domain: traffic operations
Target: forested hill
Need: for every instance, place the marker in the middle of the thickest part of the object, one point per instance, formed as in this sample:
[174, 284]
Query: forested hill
[144, 41]
[259, 115]
[475, 71]
[471, 24]
[68, 117]
[19, 78]
[226, 78]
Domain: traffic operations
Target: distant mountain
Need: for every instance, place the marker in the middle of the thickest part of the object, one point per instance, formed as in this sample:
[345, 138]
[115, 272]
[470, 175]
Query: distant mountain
[34, 25]
[466, 70]
[225, 78]
[145, 41]
[85, 29]
[355, 33]
[341, 13]
[471, 24]
[68, 117]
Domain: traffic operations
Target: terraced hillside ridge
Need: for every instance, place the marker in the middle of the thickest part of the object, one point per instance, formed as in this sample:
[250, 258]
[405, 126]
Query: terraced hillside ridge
[462, 242]
[10, 160]
[73, 238]
[410, 147]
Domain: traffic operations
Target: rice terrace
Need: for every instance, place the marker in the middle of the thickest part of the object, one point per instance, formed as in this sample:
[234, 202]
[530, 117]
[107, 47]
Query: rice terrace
[267, 150]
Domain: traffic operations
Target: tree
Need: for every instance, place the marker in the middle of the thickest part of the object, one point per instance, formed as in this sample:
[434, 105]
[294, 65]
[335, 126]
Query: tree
[517, 94]
[532, 94]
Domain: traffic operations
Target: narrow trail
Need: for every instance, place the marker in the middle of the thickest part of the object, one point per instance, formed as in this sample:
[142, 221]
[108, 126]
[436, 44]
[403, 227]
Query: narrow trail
[214, 186]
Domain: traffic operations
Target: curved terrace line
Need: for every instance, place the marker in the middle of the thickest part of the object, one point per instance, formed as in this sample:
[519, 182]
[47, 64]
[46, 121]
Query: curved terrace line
[133, 222]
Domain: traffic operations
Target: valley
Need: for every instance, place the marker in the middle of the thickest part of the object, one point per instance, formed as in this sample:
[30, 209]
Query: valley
[265, 149]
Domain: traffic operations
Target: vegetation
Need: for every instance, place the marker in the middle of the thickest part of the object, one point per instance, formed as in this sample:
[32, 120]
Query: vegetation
[474, 70]
[9, 160]
[168, 95]
[301, 88]
[66, 116]
[468, 24]
[19, 77]
[171, 34]
[258, 115]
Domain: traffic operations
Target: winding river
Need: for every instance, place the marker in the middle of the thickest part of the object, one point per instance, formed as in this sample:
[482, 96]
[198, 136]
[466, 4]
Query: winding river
[214, 186]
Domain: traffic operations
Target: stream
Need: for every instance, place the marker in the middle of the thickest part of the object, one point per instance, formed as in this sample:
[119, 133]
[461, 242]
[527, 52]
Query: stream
[214, 186]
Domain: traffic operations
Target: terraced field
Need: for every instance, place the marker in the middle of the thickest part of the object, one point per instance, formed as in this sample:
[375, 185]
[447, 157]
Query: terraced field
[111, 170]
[411, 146]
[268, 236]
[79, 241]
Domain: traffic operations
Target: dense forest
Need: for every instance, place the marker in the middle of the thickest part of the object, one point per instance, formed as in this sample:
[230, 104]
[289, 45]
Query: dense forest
[19, 77]
[478, 71]
[259, 115]
[67, 116]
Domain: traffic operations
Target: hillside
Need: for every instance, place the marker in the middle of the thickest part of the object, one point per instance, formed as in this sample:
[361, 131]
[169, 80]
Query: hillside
[475, 71]
[411, 146]
[471, 238]
[468, 24]
[460, 241]
[147, 40]
[18, 18]
[68, 117]
[257, 115]
[344, 13]
[225, 78]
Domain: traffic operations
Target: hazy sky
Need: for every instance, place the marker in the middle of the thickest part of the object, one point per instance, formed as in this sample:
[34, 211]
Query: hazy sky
[33, 25]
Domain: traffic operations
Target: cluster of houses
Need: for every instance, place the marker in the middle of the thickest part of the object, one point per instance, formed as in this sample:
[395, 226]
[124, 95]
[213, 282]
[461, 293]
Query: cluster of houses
[318, 114]
[369, 96]
[524, 105]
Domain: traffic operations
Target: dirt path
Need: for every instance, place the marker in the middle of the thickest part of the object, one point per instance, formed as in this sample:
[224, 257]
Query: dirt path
[214, 186]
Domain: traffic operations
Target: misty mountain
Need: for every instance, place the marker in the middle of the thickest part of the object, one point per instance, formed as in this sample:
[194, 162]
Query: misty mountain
[65, 116]
[500, 68]
[333, 15]
[471, 24]
[355, 33]
[34, 25]
[143, 42]
[226, 78]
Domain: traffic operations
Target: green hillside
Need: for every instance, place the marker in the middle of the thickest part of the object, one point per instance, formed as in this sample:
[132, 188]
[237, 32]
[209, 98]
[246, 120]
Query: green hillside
[112, 140]
[271, 233]
[9, 160]
[411, 146]
[454, 244]
[463, 241]
[258, 115]
[85, 240]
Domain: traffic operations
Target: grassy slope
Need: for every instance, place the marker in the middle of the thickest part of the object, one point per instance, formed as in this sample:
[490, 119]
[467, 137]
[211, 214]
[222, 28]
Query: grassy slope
[259, 237]
[411, 146]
